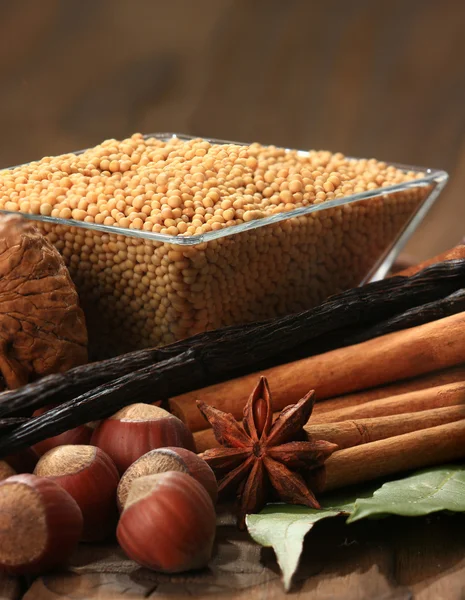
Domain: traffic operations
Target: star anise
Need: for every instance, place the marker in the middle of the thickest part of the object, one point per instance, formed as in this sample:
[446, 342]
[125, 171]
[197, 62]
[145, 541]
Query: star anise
[259, 455]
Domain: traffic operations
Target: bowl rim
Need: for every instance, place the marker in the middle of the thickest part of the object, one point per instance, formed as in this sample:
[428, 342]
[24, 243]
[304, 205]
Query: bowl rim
[437, 176]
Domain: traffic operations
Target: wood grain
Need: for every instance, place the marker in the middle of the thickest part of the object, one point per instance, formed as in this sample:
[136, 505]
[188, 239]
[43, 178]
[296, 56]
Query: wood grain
[388, 559]
[382, 79]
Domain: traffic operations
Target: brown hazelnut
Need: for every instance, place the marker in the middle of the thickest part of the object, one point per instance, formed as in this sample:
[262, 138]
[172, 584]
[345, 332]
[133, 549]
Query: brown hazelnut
[5, 470]
[91, 478]
[168, 523]
[23, 461]
[138, 428]
[77, 435]
[161, 460]
[40, 525]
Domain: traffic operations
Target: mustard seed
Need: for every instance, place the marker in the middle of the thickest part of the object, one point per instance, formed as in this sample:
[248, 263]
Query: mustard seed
[154, 292]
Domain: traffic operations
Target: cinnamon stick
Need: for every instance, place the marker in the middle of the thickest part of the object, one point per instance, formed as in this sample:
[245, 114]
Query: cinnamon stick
[419, 401]
[451, 375]
[239, 349]
[400, 355]
[396, 454]
[451, 394]
[204, 440]
[347, 434]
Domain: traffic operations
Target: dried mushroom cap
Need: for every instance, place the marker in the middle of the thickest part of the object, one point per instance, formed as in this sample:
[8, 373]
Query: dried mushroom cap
[42, 327]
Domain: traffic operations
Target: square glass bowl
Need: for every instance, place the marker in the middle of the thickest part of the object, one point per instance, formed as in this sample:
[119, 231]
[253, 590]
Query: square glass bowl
[142, 289]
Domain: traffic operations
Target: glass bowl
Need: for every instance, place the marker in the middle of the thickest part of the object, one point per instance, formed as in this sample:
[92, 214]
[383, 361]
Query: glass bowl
[141, 289]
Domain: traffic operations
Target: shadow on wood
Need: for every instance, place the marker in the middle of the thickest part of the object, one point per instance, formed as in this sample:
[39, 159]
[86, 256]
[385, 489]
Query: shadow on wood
[388, 558]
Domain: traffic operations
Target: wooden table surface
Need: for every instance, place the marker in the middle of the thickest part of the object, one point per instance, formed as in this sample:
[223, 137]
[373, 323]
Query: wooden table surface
[386, 559]
[367, 78]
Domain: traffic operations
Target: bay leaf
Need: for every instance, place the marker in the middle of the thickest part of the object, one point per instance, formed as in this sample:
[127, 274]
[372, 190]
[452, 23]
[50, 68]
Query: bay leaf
[283, 527]
[419, 494]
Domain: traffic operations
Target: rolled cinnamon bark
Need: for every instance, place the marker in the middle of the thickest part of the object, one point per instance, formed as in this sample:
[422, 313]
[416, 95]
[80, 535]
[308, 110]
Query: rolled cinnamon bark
[443, 377]
[442, 395]
[369, 414]
[400, 355]
[204, 440]
[397, 454]
[347, 434]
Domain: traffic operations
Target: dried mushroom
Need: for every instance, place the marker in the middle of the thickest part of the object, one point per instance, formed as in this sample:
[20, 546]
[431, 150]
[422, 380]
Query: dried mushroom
[42, 327]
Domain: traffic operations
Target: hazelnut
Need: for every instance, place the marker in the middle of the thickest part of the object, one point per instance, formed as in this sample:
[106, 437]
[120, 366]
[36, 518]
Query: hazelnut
[91, 478]
[77, 435]
[161, 460]
[168, 523]
[5, 470]
[40, 525]
[138, 428]
[23, 461]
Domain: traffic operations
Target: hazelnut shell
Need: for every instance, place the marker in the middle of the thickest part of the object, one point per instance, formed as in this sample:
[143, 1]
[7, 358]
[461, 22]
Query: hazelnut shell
[77, 435]
[23, 461]
[169, 523]
[137, 429]
[161, 460]
[40, 525]
[89, 475]
[6, 470]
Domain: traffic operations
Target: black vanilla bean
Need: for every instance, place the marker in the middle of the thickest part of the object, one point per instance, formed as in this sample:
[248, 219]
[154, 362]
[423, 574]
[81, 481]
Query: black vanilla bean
[102, 401]
[97, 390]
[59, 387]
[418, 315]
[11, 422]
[239, 349]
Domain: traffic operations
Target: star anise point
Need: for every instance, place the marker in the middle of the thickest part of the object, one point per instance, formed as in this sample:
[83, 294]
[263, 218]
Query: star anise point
[259, 454]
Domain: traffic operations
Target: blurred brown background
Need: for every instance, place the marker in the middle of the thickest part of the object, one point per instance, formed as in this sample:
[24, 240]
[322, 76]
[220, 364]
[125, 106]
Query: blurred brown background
[383, 79]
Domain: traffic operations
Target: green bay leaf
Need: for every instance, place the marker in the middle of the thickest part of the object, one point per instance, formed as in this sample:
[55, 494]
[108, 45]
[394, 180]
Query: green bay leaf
[419, 494]
[283, 527]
